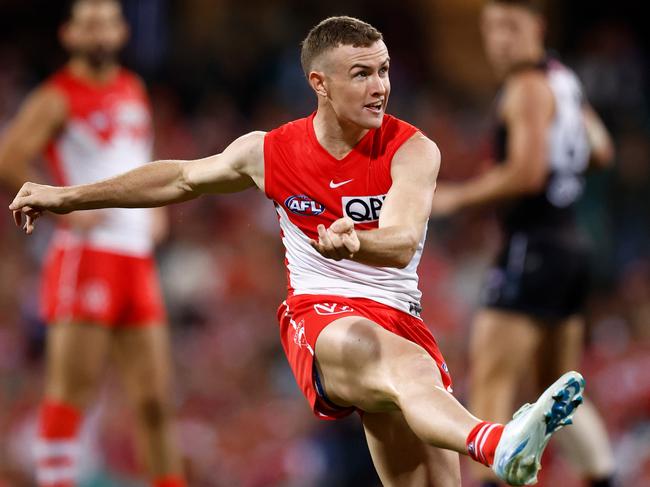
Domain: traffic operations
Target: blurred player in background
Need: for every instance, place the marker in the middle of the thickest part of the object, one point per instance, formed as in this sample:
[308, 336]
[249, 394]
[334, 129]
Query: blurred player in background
[352, 187]
[547, 137]
[100, 291]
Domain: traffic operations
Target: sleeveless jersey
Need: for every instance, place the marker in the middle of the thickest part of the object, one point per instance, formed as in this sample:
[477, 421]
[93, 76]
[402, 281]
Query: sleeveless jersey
[309, 186]
[552, 209]
[108, 131]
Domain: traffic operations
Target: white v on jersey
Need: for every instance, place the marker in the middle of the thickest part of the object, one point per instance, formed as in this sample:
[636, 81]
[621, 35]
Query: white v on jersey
[108, 132]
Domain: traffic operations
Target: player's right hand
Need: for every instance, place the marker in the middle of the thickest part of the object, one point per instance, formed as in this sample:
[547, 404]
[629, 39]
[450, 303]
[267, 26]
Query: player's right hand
[34, 199]
[339, 241]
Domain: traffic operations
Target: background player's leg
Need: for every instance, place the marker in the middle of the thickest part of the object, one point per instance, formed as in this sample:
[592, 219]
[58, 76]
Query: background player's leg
[364, 365]
[586, 443]
[76, 356]
[402, 459]
[143, 355]
[503, 345]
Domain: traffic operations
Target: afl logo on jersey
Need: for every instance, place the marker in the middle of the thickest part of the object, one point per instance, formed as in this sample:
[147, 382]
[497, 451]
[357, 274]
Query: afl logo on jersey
[363, 208]
[301, 204]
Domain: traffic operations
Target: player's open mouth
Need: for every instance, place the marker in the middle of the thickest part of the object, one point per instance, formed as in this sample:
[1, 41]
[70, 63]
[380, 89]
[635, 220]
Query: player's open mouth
[375, 107]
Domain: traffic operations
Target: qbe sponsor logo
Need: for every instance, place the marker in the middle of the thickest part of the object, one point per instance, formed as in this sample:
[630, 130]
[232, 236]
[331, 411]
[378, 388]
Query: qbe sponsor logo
[301, 204]
[363, 208]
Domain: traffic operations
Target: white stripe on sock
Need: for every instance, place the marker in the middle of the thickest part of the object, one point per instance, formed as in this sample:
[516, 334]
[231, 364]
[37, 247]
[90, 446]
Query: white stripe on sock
[45, 449]
[485, 437]
[53, 475]
[477, 440]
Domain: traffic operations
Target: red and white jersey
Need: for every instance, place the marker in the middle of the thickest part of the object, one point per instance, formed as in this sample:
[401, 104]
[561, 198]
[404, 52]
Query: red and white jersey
[309, 187]
[108, 131]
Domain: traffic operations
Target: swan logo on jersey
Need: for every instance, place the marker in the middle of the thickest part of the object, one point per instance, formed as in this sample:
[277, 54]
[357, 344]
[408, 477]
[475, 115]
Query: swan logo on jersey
[363, 208]
[301, 204]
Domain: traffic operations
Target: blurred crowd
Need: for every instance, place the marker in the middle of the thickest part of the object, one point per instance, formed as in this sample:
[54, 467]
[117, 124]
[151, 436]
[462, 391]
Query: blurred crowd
[217, 69]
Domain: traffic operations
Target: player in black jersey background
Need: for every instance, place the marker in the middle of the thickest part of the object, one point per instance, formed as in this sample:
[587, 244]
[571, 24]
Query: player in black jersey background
[547, 136]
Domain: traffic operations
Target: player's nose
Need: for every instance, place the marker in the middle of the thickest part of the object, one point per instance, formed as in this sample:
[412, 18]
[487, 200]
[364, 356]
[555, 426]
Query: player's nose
[378, 86]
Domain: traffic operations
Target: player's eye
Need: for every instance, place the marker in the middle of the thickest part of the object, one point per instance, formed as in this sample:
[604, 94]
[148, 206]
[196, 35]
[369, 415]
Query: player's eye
[383, 71]
[361, 74]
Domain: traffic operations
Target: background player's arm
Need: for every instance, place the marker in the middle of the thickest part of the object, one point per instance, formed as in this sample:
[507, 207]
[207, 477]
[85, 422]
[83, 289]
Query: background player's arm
[600, 141]
[403, 217]
[239, 166]
[528, 111]
[42, 115]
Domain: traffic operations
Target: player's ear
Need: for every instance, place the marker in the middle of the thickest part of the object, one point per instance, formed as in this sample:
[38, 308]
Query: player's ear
[317, 82]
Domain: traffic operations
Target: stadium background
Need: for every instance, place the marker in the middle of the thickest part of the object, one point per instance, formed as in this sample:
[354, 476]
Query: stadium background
[219, 68]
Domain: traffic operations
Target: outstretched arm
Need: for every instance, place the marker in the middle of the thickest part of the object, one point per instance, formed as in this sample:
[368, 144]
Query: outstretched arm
[403, 215]
[159, 183]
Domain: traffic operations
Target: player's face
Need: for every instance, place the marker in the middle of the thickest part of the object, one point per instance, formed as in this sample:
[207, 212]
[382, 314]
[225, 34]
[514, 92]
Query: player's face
[512, 35]
[357, 83]
[96, 32]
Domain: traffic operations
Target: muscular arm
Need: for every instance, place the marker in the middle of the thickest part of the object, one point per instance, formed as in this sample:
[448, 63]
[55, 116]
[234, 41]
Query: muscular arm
[406, 208]
[600, 141]
[239, 166]
[39, 119]
[403, 215]
[527, 110]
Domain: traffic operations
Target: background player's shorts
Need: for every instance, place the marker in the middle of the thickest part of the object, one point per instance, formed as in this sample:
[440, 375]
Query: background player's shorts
[545, 277]
[303, 317]
[86, 285]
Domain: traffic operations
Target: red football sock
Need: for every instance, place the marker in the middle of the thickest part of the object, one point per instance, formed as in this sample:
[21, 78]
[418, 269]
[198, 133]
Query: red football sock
[57, 449]
[169, 481]
[482, 442]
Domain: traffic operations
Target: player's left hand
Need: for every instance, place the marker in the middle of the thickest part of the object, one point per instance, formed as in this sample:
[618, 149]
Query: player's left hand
[446, 200]
[339, 241]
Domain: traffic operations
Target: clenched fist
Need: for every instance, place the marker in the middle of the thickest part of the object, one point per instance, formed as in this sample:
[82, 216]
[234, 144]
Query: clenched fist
[339, 241]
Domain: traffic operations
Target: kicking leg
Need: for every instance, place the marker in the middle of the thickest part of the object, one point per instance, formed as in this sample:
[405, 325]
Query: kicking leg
[363, 365]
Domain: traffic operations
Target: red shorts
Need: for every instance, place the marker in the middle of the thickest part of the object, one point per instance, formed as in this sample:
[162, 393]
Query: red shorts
[86, 285]
[303, 317]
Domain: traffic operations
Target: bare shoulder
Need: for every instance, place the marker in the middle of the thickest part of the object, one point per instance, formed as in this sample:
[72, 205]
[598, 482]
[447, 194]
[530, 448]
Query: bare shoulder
[252, 140]
[527, 90]
[419, 154]
[530, 80]
[247, 154]
[248, 147]
[47, 102]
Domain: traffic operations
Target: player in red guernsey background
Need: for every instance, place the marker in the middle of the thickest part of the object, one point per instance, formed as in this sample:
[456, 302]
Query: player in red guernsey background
[100, 290]
[352, 187]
